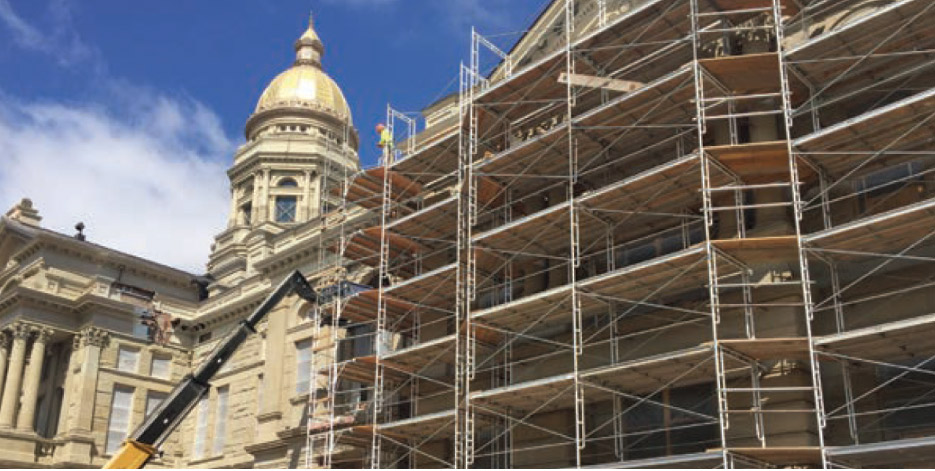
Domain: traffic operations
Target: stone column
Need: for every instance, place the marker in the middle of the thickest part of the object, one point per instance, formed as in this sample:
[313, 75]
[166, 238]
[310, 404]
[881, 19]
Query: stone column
[92, 340]
[309, 206]
[234, 216]
[261, 196]
[14, 375]
[4, 356]
[70, 375]
[271, 410]
[80, 399]
[315, 187]
[27, 412]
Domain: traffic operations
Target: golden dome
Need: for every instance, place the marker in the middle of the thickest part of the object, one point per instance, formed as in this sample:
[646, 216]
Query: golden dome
[305, 84]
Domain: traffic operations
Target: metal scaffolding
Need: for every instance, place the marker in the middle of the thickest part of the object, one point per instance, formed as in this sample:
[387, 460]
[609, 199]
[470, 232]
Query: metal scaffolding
[663, 242]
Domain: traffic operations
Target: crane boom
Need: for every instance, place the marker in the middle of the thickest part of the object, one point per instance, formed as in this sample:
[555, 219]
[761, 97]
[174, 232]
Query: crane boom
[142, 444]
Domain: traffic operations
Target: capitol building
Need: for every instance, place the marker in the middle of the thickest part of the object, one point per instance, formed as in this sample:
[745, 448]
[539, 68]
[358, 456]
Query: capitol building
[79, 368]
[657, 234]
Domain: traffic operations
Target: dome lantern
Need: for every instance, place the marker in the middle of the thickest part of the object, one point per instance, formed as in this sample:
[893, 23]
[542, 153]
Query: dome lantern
[309, 48]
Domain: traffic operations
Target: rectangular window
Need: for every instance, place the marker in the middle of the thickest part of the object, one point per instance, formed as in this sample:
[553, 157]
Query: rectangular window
[153, 399]
[285, 208]
[220, 421]
[247, 211]
[358, 342]
[201, 429]
[303, 366]
[121, 410]
[160, 366]
[140, 330]
[128, 359]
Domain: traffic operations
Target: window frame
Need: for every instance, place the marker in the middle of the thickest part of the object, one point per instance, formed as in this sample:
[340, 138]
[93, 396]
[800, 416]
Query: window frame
[246, 213]
[221, 410]
[200, 438]
[160, 358]
[286, 214]
[111, 443]
[153, 399]
[303, 366]
[136, 351]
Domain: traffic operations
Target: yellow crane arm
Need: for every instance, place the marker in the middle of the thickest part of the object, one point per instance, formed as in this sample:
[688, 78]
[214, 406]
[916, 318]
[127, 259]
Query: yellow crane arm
[142, 444]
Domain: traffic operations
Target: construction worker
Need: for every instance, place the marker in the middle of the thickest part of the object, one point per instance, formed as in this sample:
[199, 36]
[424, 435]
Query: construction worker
[386, 137]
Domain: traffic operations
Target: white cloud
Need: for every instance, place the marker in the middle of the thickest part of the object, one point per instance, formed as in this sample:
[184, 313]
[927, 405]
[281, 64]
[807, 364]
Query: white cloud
[489, 15]
[148, 179]
[144, 171]
[58, 39]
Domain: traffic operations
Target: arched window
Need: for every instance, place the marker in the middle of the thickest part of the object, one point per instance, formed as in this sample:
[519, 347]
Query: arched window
[287, 183]
[285, 208]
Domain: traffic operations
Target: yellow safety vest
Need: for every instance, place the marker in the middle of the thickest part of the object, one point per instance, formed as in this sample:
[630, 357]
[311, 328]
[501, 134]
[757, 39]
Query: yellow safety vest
[386, 139]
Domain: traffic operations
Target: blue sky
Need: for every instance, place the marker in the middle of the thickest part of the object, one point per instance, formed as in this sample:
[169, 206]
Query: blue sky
[117, 113]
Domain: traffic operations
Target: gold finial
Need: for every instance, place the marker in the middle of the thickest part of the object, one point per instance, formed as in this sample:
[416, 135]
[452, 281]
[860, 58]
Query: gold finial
[311, 19]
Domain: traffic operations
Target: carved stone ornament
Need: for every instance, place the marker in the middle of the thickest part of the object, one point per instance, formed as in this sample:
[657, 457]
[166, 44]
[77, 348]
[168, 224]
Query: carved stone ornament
[21, 330]
[92, 336]
[44, 334]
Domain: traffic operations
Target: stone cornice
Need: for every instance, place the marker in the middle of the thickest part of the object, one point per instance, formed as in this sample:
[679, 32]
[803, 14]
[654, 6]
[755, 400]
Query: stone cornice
[247, 165]
[46, 239]
[260, 447]
[291, 432]
[320, 116]
[112, 335]
[137, 376]
[16, 295]
[221, 378]
[232, 309]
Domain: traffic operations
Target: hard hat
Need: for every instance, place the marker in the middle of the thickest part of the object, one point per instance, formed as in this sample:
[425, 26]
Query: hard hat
[380, 127]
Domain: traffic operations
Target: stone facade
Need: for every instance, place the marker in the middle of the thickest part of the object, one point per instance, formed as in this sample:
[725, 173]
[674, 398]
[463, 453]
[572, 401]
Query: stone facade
[78, 370]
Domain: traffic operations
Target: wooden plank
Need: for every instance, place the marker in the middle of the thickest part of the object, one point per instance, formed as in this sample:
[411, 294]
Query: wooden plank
[796, 455]
[434, 288]
[547, 226]
[489, 192]
[402, 185]
[540, 308]
[746, 74]
[528, 395]
[591, 81]
[758, 162]
[881, 233]
[769, 348]
[760, 249]
[363, 307]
